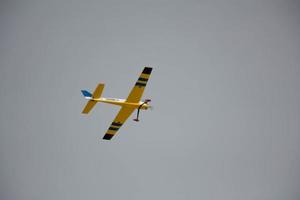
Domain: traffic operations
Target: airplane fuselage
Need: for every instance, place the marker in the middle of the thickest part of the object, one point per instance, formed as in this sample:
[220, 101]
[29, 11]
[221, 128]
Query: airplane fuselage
[122, 102]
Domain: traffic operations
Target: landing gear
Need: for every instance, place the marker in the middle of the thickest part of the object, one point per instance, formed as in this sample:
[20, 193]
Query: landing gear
[138, 111]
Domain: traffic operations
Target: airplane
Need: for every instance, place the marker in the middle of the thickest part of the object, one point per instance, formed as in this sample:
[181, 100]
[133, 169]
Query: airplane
[128, 106]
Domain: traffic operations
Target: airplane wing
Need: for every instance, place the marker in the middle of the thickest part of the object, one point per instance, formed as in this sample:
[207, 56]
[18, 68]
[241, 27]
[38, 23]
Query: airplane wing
[120, 119]
[137, 91]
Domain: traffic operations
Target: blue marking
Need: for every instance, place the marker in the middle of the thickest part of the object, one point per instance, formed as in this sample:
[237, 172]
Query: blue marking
[86, 93]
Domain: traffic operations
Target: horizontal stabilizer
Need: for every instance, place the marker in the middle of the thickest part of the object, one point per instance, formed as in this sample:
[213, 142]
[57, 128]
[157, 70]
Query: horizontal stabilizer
[90, 104]
[98, 91]
[96, 95]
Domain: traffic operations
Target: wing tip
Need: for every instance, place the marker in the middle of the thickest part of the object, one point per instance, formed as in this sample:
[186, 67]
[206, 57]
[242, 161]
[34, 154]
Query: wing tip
[147, 70]
[107, 136]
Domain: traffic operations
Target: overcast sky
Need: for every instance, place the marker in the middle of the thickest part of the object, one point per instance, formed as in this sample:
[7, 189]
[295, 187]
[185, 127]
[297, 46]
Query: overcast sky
[224, 86]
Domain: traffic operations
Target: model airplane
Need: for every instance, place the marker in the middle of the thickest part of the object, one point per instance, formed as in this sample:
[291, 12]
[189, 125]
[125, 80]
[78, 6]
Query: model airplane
[128, 105]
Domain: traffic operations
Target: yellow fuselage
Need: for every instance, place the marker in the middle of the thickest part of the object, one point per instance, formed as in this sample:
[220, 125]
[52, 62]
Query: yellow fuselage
[123, 102]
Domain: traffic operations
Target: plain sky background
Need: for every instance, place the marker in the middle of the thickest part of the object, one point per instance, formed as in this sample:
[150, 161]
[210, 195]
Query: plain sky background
[225, 87]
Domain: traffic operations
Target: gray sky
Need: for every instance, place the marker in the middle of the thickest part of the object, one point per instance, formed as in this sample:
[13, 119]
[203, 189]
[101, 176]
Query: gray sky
[225, 88]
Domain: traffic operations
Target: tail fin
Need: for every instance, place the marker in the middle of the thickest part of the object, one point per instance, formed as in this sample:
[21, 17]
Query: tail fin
[96, 95]
[86, 94]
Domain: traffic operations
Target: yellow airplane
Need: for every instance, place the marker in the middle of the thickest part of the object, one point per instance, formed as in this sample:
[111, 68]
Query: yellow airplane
[127, 105]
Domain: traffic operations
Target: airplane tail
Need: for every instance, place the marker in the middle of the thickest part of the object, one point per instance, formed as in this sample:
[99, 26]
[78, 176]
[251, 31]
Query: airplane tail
[96, 95]
[86, 94]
